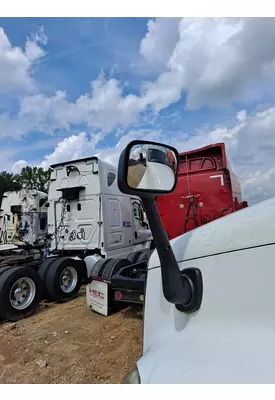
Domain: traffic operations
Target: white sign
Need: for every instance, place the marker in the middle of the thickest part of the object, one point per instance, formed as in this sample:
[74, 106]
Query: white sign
[97, 297]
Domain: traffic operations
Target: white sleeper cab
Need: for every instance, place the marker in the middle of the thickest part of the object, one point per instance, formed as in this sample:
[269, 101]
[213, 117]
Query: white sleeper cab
[95, 229]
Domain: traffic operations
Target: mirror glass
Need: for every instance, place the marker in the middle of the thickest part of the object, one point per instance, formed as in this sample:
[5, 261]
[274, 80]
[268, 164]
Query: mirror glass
[151, 167]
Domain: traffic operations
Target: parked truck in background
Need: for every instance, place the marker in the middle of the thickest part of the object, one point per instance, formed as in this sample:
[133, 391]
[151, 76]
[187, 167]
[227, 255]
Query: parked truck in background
[23, 217]
[90, 225]
[23, 235]
[206, 190]
[94, 228]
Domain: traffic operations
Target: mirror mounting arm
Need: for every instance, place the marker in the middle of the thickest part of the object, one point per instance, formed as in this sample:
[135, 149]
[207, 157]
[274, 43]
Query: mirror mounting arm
[176, 288]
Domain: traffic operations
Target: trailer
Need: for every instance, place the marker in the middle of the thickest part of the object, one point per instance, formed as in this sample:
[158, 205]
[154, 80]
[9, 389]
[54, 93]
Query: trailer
[207, 189]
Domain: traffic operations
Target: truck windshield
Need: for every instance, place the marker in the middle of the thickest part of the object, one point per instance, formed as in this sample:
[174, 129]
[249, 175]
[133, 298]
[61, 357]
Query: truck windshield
[158, 156]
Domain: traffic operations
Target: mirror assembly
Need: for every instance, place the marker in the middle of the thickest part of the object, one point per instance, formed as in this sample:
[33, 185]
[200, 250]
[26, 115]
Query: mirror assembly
[147, 169]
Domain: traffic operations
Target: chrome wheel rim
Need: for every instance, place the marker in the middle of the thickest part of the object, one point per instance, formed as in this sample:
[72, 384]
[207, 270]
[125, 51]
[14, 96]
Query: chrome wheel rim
[68, 279]
[22, 293]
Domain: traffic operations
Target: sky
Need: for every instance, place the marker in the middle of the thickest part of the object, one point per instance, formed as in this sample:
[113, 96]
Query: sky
[77, 87]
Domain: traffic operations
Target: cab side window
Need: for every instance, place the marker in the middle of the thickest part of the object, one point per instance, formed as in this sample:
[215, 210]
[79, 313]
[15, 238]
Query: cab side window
[136, 211]
[111, 178]
[139, 213]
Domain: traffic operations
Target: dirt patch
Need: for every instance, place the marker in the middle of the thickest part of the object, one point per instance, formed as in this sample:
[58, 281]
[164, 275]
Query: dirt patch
[68, 343]
[135, 174]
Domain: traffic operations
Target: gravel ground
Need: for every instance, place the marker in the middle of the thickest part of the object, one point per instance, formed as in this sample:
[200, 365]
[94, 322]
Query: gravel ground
[68, 343]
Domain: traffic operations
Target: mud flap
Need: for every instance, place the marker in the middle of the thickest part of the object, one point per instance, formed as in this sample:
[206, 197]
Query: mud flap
[97, 296]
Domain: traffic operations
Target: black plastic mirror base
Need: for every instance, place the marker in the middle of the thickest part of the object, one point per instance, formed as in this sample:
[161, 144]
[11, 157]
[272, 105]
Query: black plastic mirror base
[194, 277]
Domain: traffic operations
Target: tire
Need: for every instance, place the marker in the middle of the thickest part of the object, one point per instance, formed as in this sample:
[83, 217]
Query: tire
[132, 257]
[68, 290]
[44, 267]
[3, 269]
[144, 256]
[113, 266]
[98, 267]
[13, 309]
[43, 270]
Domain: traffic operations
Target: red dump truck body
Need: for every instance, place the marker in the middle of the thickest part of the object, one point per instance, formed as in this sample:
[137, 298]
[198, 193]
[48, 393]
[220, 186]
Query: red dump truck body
[207, 189]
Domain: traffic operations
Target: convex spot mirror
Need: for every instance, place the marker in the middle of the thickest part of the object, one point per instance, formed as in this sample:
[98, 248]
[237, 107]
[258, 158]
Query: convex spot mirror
[148, 167]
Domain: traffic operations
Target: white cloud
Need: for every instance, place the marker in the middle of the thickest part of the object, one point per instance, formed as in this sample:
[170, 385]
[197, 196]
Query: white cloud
[215, 61]
[18, 165]
[47, 114]
[260, 185]
[83, 145]
[39, 36]
[160, 40]
[104, 108]
[16, 63]
[242, 115]
[71, 148]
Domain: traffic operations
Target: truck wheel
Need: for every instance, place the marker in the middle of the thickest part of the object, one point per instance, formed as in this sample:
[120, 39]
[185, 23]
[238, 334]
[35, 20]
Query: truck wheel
[98, 267]
[43, 270]
[144, 256]
[64, 279]
[3, 269]
[20, 293]
[113, 266]
[132, 257]
[44, 267]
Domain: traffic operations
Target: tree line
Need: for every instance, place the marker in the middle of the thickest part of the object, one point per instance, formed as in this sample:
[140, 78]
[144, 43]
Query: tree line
[30, 178]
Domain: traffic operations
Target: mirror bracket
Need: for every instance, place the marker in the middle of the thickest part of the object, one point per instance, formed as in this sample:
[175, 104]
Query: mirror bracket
[176, 289]
[194, 277]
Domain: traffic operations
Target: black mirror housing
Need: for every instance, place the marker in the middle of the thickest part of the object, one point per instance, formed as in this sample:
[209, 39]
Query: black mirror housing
[123, 170]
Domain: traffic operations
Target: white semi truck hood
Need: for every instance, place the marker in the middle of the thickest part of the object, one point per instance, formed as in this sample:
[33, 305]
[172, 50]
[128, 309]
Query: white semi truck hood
[230, 339]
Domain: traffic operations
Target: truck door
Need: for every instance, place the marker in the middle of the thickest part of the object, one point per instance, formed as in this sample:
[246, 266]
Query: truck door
[115, 233]
[141, 231]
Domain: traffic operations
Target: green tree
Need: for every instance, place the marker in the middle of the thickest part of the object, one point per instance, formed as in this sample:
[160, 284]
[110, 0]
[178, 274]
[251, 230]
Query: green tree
[35, 178]
[9, 181]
